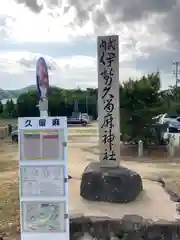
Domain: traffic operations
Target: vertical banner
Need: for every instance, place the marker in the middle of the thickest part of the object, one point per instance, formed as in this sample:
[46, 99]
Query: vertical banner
[43, 178]
[108, 100]
[42, 78]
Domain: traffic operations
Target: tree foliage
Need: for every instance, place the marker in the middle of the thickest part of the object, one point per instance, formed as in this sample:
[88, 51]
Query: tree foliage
[139, 103]
[140, 100]
[61, 102]
[9, 110]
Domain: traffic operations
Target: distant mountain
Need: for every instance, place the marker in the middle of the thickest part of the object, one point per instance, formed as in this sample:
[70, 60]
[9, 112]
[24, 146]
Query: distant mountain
[7, 94]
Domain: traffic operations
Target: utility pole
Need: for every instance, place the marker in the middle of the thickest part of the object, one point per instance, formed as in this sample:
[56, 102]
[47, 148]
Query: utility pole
[175, 71]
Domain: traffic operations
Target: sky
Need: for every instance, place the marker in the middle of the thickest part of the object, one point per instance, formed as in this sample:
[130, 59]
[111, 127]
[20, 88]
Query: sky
[64, 32]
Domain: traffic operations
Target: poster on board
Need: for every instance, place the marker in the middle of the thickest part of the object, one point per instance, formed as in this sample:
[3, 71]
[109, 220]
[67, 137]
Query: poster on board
[42, 181]
[42, 145]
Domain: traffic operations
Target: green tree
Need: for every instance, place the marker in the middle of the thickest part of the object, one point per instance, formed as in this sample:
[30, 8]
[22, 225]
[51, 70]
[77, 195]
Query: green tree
[1, 107]
[139, 102]
[10, 108]
[27, 105]
[61, 102]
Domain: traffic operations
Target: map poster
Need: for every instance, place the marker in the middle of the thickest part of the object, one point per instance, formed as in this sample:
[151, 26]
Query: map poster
[44, 217]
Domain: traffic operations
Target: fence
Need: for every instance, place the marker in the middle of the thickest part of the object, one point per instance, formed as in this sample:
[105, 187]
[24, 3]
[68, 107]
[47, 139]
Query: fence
[172, 148]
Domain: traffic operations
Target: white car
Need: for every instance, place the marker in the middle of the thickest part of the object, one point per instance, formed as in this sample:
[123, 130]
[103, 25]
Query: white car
[172, 120]
[173, 124]
[85, 117]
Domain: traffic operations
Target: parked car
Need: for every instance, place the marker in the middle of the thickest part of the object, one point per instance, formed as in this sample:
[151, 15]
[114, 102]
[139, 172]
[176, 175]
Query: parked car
[77, 121]
[170, 124]
[81, 119]
[173, 122]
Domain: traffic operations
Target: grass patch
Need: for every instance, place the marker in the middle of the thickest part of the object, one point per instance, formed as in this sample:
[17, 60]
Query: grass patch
[5, 121]
[9, 191]
[9, 209]
[4, 167]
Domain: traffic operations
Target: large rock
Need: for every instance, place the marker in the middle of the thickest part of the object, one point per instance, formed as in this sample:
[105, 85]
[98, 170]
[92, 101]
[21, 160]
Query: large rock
[114, 185]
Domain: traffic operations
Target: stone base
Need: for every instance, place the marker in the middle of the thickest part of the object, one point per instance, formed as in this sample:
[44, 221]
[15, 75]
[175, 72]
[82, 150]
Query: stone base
[113, 185]
[131, 227]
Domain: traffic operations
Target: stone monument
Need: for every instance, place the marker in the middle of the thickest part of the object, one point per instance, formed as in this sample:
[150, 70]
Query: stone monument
[106, 180]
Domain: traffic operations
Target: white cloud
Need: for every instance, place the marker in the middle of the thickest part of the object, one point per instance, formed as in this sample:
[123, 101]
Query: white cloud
[70, 20]
[65, 72]
[22, 62]
[55, 25]
[68, 72]
[61, 24]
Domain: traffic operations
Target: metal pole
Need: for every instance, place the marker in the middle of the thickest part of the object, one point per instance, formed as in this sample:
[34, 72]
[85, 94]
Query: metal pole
[43, 107]
[43, 113]
[87, 110]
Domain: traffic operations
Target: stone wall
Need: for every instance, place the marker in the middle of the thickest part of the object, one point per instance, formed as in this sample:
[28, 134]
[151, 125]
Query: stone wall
[128, 228]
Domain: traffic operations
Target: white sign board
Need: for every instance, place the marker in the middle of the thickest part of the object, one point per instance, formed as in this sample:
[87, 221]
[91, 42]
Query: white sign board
[43, 178]
[108, 100]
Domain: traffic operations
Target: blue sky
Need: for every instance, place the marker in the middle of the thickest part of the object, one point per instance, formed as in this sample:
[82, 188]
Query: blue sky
[64, 33]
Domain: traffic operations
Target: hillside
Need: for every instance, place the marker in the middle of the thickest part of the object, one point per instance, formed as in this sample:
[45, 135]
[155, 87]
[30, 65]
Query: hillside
[5, 94]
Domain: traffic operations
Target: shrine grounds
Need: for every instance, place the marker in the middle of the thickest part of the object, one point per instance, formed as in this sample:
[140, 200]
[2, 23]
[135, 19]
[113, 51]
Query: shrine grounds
[82, 148]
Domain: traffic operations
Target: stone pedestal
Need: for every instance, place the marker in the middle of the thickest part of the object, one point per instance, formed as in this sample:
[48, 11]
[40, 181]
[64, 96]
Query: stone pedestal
[113, 185]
